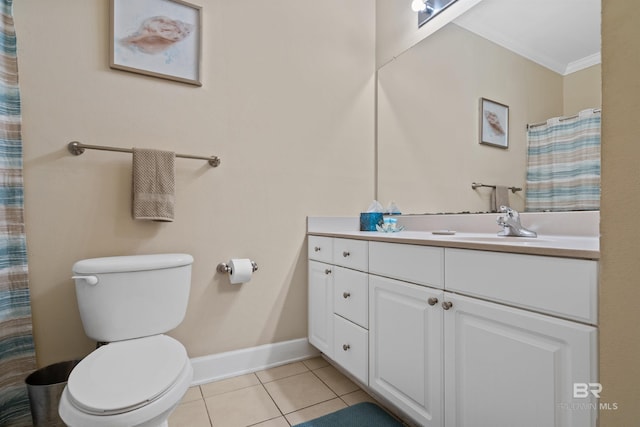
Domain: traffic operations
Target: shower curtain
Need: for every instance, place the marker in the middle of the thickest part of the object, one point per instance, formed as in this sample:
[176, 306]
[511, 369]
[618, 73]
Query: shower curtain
[563, 164]
[17, 356]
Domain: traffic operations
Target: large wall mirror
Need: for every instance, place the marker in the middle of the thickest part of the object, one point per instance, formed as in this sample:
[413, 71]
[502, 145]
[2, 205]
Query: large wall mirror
[538, 58]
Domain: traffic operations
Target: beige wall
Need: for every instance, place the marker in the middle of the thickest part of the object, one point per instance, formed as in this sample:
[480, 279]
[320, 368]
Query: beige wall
[620, 234]
[428, 121]
[286, 104]
[582, 90]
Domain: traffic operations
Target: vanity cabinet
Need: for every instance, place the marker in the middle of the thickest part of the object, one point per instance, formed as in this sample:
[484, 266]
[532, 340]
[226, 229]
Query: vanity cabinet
[338, 302]
[461, 337]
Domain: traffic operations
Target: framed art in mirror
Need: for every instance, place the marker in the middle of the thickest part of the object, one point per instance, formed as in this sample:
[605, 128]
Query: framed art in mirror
[159, 38]
[494, 123]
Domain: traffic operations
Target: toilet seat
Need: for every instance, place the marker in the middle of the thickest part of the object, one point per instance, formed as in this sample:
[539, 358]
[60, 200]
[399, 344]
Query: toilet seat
[126, 375]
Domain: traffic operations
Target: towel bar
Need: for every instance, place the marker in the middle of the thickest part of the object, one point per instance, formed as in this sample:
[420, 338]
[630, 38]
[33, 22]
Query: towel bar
[475, 185]
[76, 148]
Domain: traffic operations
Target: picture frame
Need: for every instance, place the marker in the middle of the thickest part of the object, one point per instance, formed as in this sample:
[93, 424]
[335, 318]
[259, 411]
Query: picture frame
[494, 123]
[158, 38]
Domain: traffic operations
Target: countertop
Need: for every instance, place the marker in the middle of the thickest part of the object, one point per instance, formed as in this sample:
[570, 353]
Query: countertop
[581, 247]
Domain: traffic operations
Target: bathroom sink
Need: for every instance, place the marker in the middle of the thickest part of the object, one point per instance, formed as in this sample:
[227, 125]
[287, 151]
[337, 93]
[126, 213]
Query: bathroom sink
[502, 239]
[545, 241]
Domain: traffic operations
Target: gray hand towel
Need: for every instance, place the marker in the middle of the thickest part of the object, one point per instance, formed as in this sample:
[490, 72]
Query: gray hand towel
[153, 184]
[500, 197]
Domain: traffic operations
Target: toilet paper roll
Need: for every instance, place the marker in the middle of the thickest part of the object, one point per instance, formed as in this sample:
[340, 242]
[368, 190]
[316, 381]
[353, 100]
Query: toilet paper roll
[241, 270]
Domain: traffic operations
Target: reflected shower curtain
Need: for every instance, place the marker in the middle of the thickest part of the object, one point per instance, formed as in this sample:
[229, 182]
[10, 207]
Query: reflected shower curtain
[17, 357]
[563, 164]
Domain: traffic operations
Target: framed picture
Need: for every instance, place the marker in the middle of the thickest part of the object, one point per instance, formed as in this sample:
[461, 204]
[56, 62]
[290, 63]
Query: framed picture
[159, 38]
[494, 123]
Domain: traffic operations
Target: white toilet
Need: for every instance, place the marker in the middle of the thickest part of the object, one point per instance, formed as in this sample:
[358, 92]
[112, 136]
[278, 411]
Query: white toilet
[141, 375]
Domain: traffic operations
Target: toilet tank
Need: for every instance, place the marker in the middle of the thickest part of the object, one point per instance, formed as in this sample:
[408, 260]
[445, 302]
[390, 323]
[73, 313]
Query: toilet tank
[127, 297]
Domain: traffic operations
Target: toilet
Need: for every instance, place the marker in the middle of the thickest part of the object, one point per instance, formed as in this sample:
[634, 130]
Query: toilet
[140, 376]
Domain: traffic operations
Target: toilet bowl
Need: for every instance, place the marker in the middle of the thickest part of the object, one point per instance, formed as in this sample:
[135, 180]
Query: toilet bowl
[141, 375]
[130, 383]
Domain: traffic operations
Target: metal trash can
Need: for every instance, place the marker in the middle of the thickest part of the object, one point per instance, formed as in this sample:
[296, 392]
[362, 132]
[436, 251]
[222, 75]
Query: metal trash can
[45, 387]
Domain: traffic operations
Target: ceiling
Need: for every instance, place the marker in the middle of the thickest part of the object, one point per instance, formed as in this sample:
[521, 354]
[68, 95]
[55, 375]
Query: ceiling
[562, 35]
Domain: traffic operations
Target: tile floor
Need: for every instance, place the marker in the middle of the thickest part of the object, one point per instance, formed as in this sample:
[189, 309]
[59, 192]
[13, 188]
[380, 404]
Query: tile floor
[279, 397]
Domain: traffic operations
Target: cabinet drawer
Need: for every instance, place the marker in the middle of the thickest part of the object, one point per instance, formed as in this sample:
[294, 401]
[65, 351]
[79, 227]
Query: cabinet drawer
[351, 295]
[423, 265]
[351, 253]
[351, 349]
[321, 248]
[561, 287]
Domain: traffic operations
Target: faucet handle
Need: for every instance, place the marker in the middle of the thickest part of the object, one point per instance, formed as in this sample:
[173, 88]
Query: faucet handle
[507, 209]
[510, 212]
[505, 214]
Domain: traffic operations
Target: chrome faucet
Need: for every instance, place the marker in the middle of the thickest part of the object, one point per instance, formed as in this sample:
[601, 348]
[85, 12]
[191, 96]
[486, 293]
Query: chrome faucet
[510, 222]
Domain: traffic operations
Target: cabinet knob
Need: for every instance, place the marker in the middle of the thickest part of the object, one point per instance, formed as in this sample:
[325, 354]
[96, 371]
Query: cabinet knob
[346, 347]
[346, 295]
[447, 305]
[432, 301]
[345, 254]
[317, 248]
[327, 271]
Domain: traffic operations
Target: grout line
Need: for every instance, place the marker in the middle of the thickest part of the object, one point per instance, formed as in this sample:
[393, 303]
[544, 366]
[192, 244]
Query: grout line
[312, 405]
[282, 414]
[269, 419]
[335, 392]
[206, 408]
[316, 375]
[340, 397]
[286, 376]
[273, 400]
[230, 391]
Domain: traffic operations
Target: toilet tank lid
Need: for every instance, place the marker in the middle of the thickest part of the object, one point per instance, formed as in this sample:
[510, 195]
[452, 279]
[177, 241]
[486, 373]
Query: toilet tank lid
[121, 264]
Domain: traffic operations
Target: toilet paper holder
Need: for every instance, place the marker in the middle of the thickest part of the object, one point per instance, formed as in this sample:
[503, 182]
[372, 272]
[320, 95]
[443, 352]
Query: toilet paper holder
[223, 267]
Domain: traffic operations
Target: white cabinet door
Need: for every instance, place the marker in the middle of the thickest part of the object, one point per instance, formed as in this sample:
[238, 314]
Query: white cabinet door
[321, 306]
[406, 348]
[507, 367]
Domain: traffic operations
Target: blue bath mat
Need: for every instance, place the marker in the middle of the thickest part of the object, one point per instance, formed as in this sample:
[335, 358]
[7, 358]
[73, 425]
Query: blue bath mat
[364, 414]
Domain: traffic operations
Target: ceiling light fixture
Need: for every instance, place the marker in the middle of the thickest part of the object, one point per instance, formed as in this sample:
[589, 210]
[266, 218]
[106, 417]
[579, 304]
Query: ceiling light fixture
[427, 9]
[421, 6]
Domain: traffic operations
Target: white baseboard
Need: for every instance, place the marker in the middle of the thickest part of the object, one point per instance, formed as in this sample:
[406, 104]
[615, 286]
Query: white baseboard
[238, 362]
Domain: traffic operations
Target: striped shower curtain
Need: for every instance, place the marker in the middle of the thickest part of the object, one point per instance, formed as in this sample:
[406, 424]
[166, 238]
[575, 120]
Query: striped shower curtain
[563, 164]
[17, 357]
